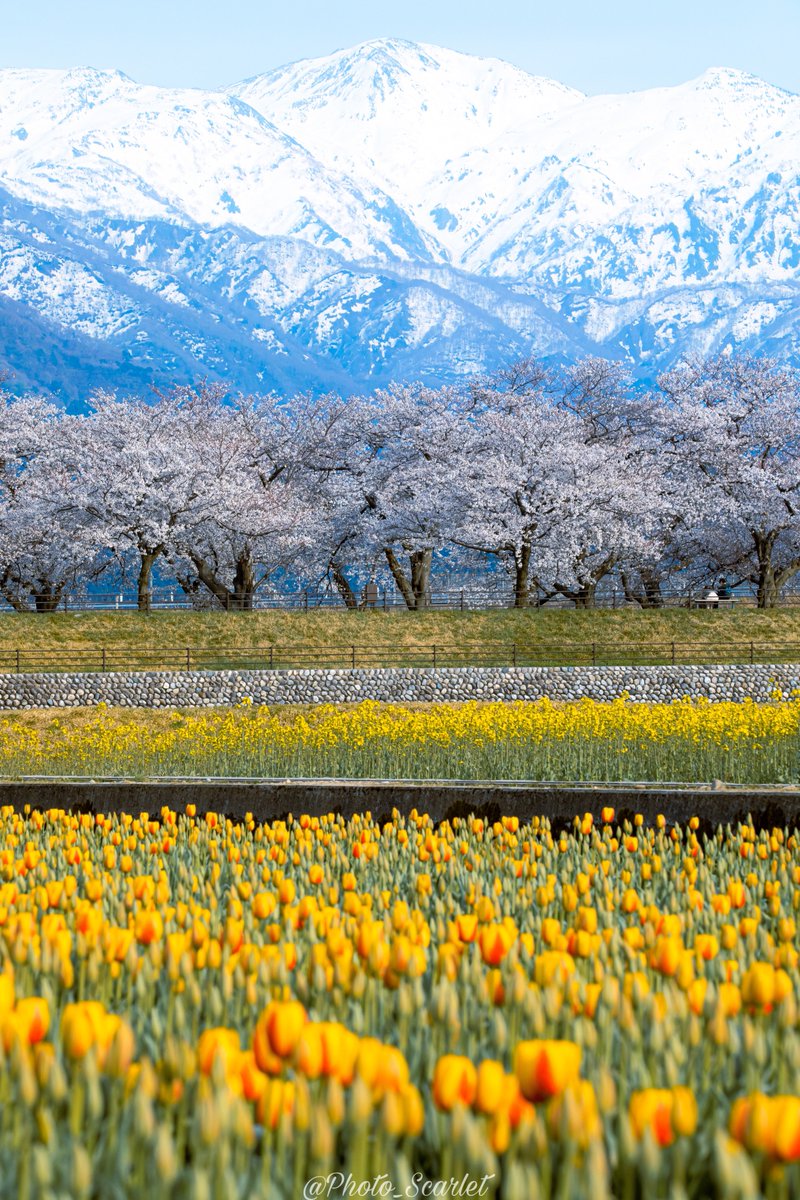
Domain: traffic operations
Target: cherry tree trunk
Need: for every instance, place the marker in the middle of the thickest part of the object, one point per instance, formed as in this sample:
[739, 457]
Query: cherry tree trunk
[241, 599]
[144, 581]
[47, 599]
[522, 587]
[648, 595]
[421, 561]
[767, 587]
[768, 591]
[584, 597]
[343, 586]
[415, 591]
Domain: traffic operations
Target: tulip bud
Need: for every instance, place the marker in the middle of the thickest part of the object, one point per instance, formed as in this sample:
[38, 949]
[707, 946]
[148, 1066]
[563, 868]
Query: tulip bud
[200, 1187]
[165, 1158]
[42, 1168]
[81, 1171]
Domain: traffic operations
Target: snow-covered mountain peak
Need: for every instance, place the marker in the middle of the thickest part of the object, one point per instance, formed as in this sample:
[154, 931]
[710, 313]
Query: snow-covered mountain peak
[387, 64]
[96, 142]
[382, 59]
[733, 79]
[397, 113]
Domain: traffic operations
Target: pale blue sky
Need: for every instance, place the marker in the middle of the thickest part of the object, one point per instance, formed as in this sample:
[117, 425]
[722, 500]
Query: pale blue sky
[595, 45]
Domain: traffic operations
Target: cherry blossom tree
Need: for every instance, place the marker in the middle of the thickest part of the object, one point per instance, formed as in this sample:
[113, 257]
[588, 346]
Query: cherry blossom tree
[552, 488]
[415, 439]
[520, 488]
[137, 487]
[42, 547]
[258, 465]
[730, 442]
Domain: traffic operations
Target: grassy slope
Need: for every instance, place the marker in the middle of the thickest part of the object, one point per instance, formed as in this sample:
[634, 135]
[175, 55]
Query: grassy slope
[385, 636]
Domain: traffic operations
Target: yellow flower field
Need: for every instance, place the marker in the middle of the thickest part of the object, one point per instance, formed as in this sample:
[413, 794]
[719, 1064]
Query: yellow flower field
[691, 740]
[191, 1007]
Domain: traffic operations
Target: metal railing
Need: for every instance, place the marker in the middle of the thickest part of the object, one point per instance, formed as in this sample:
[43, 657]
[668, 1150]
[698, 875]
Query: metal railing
[29, 660]
[472, 597]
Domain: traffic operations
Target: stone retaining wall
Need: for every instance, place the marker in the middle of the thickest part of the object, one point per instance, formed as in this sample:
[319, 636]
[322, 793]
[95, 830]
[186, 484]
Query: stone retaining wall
[165, 689]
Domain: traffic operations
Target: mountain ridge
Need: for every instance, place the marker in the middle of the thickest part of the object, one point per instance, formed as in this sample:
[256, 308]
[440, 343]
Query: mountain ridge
[392, 210]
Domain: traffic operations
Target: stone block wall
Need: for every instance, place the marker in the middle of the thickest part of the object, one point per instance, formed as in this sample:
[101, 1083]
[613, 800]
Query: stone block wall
[168, 689]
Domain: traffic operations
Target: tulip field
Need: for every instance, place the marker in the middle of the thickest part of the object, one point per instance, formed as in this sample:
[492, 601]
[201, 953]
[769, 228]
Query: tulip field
[689, 740]
[192, 1007]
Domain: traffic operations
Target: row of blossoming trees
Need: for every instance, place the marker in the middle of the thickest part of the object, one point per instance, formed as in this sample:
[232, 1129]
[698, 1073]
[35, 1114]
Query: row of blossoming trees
[563, 479]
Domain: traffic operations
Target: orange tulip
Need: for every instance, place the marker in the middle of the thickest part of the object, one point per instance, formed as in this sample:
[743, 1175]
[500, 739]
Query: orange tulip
[149, 927]
[587, 919]
[730, 999]
[666, 1112]
[553, 966]
[78, 1030]
[6, 993]
[763, 986]
[339, 1051]
[544, 1068]
[466, 925]
[382, 1068]
[309, 1053]
[706, 946]
[276, 1100]
[768, 1125]
[455, 1081]
[696, 995]
[413, 1111]
[32, 1019]
[495, 942]
[666, 955]
[490, 1088]
[283, 1022]
[219, 1044]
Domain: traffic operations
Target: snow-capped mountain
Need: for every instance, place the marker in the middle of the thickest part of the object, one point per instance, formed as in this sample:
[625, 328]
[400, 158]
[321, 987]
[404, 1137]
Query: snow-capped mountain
[407, 117]
[390, 211]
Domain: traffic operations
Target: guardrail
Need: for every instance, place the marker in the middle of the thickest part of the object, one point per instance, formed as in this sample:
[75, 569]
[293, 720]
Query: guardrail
[24, 660]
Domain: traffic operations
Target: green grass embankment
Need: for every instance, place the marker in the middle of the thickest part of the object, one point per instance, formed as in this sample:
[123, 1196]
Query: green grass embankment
[337, 638]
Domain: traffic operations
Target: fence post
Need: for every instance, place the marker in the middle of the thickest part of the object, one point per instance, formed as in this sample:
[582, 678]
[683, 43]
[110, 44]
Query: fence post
[514, 653]
[673, 654]
[18, 666]
[270, 658]
[752, 656]
[305, 599]
[434, 654]
[103, 667]
[353, 657]
[384, 599]
[594, 654]
[462, 599]
[188, 659]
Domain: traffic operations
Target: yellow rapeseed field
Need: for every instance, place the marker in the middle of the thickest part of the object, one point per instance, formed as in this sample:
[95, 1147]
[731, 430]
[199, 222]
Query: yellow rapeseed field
[687, 740]
[195, 1007]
